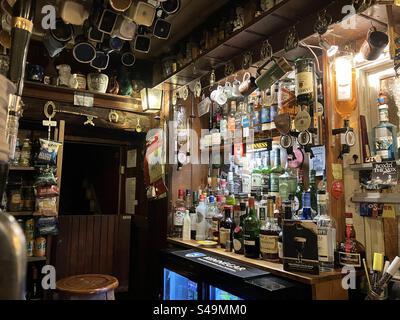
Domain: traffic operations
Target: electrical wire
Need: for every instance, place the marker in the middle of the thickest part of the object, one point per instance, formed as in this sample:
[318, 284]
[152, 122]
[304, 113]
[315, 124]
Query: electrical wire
[313, 53]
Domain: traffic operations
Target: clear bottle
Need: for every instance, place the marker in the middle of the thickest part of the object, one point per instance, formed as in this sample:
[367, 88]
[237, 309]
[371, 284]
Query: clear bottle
[326, 234]
[217, 218]
[305, 211]
[312, 189]
[227, 227]
[256, 175]
[269, 235]
[193, 214]
[266, 173]
[212, 211]
[231, 120]
[180, 209]
[251, 233]
[201, 224]
[187, 226]
[238, 244]
[25, 159]
[287, 183]
[298, 196]
[17, 155]
[385, 136]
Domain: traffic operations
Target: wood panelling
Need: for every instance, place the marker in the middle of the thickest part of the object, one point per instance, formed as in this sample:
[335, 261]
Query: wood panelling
[94, 244]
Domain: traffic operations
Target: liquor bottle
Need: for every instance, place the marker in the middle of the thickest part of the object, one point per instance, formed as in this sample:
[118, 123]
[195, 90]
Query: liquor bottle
[276, 171]
[201, 224]
[269, 236]
[305, 82]
[231, 119]
[193, 214]
[305, 211]
[187, 226]
[312, 189]
[238, 122]
[22, 27]
[240, 214]
[246, 120]
[262, 209]
[223, 123]
[350, 252]
[227, 227]
[287, 97]
[287, 183]
[212, 211]
[298, 204]
[256, 176]
[344, 79]
[238, 245]
[180, 209]
[326, 234]
[217, 218]
[188, 199]
[266, 112]
[266, 173]
[251, 233]
[385, 136]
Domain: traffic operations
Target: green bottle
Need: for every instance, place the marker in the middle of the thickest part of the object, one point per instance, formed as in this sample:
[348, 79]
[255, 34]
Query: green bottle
[266, 173]
[251, 233]
[276, 172]
[313, 192]
[298, 203]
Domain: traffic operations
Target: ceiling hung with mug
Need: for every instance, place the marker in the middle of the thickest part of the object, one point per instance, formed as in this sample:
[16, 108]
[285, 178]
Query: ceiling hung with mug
[98, 28]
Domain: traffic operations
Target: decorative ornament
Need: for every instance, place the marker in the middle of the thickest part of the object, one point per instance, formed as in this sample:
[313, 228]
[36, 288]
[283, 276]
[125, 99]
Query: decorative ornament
[229, 69]
[247, 60]
[266, 51]
[323, 22]
[292, 39]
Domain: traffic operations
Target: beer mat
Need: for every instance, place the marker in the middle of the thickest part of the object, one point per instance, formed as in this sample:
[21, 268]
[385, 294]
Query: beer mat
[221, 264]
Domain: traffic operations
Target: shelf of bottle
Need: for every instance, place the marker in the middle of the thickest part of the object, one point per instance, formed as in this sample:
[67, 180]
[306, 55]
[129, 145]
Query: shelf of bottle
[366, 166]
[36, 259]
[19, 168]
[21, 213]
[376, 197]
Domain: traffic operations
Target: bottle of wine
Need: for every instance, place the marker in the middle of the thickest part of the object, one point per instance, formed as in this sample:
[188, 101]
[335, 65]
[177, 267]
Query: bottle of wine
[227, 227]
[251, 233]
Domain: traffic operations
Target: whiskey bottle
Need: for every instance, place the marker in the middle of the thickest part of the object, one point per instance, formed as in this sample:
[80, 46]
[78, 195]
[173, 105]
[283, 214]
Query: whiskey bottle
[269, 236]
[227, 227]
[180, 209]
[251, 233]
[350, 252]
[298, 204]
[266, 173]
[326, 234]
[312, 189]
[287, 183]
[344, 78]
[276, 171]
[385, 136]
[305, 82]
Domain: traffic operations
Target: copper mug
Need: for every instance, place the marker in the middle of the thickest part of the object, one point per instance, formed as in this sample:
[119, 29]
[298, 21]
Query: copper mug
[374, 45]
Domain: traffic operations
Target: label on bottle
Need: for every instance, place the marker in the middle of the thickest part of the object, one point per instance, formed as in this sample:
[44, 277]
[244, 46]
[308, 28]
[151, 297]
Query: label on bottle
[344, 80]
[238, 245]
[223, 127]
[256, 180]
[215, 225]
[262, 213]
[269, 244]
[216, 139]
[326, 242]
[224, 236]
[231, 125]
[304, 83]
[265, 115]
[274, 182]
[249, 242]
[280, 250]
[246, 183]
[265, 182]
[178, 217]
[383, 143]
[350, 259]
[193, 220]
[286, 98]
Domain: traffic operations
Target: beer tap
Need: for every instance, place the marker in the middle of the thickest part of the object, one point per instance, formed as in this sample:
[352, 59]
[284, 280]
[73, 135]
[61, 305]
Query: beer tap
[347, 138]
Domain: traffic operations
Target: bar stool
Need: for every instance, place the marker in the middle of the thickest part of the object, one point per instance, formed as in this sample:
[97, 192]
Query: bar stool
[87, 287]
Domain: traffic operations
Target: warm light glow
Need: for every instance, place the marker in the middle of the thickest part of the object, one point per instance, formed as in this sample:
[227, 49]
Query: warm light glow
[358, 58]
[151, 99]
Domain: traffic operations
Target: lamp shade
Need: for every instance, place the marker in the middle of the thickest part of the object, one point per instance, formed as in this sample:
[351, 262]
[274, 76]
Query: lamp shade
[152, 99]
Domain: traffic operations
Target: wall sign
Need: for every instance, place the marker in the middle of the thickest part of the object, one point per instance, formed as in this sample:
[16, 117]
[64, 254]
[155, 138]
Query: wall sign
[384, 173]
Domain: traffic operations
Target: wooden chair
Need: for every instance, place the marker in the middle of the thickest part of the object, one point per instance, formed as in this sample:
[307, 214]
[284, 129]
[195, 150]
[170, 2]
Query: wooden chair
[87, 287]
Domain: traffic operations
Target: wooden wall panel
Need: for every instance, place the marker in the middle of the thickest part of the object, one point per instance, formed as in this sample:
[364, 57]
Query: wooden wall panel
[94, 244]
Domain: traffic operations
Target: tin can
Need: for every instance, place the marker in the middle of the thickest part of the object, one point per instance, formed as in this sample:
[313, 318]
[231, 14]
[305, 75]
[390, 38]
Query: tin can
[40, 247]
[29, 247]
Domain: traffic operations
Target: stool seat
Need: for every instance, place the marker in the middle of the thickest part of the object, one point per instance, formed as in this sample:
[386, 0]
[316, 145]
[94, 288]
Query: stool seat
[87, 287]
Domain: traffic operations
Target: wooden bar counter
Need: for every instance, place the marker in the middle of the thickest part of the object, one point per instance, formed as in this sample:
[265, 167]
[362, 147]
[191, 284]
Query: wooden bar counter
[326, 286]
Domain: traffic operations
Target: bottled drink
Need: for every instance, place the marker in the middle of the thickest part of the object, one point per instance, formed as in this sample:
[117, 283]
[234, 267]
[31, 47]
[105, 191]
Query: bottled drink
[274, 101]
[180, 209]
[238, 245]
[287, 183]
[227, 227]
[287, 97]
[262, 209]
[188, 199]
[187, 225]
[17, 155]
[305, 82]
[298, 204]
[276, 171]
[223, 124]
[266, 173]
[240, 214]
[216, 219]
[305, 211]
[312, 189]
[201, 224]
[385, 136]
[25, 158]
[231, 119]
[212, 211]
[350, 251]
[251, 233]
[269, 235]
[193, 214]
[266, 112]
[345, 93]
[256, 176]
[326, 234]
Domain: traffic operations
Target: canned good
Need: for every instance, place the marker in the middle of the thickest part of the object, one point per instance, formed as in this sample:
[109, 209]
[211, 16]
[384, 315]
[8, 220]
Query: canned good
[29, 247]
[30, 229]
[40, 247]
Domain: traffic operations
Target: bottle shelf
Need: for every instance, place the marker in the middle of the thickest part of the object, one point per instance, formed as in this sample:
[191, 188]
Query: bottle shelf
[366, 166]
[36, 259]
[18, 168]
[21, 213]
[376, 197]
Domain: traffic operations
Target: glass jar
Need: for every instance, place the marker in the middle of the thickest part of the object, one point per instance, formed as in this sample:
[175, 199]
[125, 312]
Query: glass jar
[25, 154]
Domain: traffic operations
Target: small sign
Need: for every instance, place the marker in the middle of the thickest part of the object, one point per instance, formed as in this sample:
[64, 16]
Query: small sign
[389, 211]
[48, 123]
[302, 121]
[318, 163]
[337, 171]
[337, 189]
[83, 99]
[384, 173]
[300, 246]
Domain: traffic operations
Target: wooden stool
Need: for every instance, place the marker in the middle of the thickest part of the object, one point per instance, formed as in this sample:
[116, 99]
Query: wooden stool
[87, 287]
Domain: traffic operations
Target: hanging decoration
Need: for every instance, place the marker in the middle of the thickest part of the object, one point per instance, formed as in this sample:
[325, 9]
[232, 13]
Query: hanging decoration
[292, 39]
[266, 51]
[323, 22]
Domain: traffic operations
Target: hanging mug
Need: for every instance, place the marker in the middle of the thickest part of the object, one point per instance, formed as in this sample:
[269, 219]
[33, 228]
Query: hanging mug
[235, 89]
[374, 45]
[221, 97]
[83, 51]
[248, 85]
[276, 69]
[228, 90]
[120, 5]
